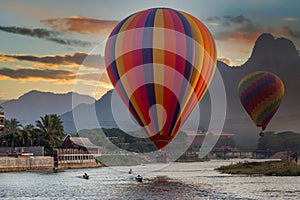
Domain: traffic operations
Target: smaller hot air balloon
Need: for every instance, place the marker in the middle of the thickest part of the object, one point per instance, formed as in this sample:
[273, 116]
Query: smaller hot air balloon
[261, 94]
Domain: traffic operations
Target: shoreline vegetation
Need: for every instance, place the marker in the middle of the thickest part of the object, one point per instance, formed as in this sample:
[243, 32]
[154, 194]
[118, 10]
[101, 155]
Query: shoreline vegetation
[118, 160]
[266, 168]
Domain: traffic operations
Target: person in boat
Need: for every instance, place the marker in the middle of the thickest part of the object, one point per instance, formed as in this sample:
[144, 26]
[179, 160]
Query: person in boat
[85, 176]
[130, 171]
[139, 178]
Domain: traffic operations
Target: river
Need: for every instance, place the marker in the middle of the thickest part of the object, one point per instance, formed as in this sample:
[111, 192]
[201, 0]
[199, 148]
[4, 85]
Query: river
[174, 181]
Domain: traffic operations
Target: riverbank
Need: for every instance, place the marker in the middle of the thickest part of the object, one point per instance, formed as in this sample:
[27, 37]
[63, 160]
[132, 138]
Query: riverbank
[42, 164]
[36, 163]
[267, 168]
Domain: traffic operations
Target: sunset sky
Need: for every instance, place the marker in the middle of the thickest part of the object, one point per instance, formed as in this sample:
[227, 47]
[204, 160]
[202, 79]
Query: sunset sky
[43, 44]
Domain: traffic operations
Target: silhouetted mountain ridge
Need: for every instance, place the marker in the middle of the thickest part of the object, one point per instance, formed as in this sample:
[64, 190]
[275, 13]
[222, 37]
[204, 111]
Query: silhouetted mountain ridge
[29, 107]
[269, 51]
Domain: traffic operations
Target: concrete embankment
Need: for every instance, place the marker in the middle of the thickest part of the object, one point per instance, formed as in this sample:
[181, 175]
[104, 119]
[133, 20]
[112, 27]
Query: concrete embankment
[32, 163]
[78, 165]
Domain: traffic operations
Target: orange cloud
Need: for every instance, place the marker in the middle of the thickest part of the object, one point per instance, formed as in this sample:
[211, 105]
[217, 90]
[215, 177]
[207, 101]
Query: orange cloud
[291, 19]
[226, 61]
[5, 59]
[239, 51]
[82, 25]
[242, 36]
[54, 75]
[95, 77]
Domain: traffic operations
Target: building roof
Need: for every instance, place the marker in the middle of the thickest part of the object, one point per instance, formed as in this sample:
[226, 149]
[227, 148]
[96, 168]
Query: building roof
[194, 132]
[202, 133]
[222, 133]
[80, 141]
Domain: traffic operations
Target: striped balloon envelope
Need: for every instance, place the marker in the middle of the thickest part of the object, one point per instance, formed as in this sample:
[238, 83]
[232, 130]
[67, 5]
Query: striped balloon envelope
[261, 94]
[161, 62]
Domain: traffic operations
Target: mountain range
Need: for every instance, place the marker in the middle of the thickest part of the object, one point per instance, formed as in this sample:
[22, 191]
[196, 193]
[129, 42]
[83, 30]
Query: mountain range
[276, 55]
[31, 106]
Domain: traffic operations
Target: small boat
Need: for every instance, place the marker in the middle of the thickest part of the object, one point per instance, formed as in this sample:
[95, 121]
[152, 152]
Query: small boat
[55, 169]
[139, 178]
[85, 176]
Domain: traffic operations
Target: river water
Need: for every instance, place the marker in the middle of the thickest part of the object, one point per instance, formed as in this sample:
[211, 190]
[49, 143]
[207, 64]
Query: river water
[174, 181]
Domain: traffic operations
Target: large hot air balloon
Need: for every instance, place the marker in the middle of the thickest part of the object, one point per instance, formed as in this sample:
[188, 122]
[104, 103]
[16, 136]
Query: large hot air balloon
[161, 62]
[261, 94]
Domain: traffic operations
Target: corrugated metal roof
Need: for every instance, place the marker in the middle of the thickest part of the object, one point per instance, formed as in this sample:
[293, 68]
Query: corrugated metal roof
[84, 142]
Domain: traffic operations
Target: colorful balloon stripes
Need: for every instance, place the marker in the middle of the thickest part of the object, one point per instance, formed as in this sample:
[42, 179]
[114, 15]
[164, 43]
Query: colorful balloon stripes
[261, 94]
[161, 62]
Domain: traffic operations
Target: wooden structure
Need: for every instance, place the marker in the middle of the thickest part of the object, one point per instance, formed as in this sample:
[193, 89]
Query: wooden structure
[79, 144]
[196, 138]
[76, 152]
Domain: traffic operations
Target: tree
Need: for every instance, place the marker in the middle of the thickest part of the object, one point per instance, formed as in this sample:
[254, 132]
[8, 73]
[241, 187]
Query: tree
[12, 134]
[284, 141]
[11, 126]
[28, 134]
[51, 130]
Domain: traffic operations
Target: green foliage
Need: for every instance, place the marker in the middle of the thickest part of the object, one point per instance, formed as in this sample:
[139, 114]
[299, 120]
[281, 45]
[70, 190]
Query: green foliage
[109, 138]
[284, 141]
[268, 168]
[12, 125]
[48, 132]
[119, 160]
[225, 141]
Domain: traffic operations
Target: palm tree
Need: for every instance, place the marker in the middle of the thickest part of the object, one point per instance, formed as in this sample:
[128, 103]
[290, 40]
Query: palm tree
[12, 139]
[51, 130]
[12, 134]
[28, 134]
[12, 125]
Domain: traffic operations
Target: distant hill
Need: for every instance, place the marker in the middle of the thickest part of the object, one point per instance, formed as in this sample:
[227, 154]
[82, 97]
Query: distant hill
[29, 107]
[277, 55]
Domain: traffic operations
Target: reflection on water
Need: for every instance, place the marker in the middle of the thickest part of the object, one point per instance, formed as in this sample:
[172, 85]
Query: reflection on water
[177, 181]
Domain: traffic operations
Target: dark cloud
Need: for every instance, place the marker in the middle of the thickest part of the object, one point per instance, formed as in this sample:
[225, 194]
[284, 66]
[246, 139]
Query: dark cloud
[248, 33]
[82, 25]
[213, 19]
[242, 29]
[94, 61]
[44, 34]
[71, 42]
[241, 19]
[38, 32]
[229, 20]
[245, 34]
[37, 73]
